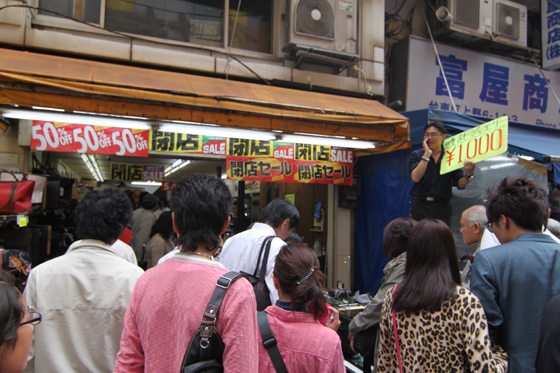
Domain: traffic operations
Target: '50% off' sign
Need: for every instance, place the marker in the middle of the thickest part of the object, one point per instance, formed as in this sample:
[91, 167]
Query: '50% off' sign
[83, 138]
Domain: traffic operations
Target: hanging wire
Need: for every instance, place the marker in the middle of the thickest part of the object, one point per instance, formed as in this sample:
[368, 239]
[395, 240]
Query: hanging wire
[545, 79]
[231, 40]
[440, 65]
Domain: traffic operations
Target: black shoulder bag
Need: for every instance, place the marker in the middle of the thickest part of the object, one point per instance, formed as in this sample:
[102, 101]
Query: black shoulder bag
[262, 293]
[204, 354]
[269, 342]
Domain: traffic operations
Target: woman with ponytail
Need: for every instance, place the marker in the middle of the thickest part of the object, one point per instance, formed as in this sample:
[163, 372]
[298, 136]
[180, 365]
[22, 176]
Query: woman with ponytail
[439, 326]
[304, 343]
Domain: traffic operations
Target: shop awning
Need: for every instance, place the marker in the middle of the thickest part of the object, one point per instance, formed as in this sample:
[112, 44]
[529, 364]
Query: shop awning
[31, 79]
[523, 139]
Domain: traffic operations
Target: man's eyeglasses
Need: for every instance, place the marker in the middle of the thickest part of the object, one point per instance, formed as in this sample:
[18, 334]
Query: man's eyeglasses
[432, 134]
[489, 224]
[35, 318]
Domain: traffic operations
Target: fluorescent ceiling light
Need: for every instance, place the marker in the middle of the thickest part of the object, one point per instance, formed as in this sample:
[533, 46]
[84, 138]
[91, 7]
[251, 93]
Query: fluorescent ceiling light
[46, 108]
[328, 141]
[174, 168]
[87, 161]
[216, 131]
[74, 118]
[146, 183]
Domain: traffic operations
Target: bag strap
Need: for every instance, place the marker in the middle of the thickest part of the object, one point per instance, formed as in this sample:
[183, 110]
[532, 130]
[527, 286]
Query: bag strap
[269, 342]
[211, 312]
[395, 330]
[267, 242]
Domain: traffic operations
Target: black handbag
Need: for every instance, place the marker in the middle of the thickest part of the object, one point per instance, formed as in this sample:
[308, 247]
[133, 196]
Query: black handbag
[262, 293]
[364, 343]
[204, 354]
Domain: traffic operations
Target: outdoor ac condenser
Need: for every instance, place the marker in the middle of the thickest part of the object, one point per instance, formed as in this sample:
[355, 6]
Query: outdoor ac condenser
[510, 22]
[326, 24]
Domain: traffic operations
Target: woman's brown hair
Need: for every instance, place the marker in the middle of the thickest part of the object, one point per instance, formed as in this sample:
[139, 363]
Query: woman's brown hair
[298, 274]
[432, 269]
[395, 236]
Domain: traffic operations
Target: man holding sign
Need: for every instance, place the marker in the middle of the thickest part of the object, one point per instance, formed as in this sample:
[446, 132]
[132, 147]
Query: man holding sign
[432, 191]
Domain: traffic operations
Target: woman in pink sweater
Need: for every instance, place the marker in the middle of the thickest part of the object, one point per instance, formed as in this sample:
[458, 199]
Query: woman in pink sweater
[169, 300]
[304, 343]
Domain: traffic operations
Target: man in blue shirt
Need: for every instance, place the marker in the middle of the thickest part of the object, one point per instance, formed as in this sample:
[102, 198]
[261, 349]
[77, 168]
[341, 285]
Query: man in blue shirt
[431, 191]
[514, 281]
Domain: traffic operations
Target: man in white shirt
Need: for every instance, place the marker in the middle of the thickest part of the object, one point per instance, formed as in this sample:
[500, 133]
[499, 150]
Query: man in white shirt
[473, 221]
[241, 252]
[83, 295]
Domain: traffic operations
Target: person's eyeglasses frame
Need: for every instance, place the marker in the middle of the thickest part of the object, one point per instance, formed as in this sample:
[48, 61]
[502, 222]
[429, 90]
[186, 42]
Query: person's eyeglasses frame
[432, 135]
[489, 224]
[35, 318]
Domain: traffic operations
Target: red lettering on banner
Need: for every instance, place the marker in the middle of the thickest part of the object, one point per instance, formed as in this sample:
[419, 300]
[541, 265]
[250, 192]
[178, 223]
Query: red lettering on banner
[475, 148]
[451, 156]
[480, 145]
[492, 140]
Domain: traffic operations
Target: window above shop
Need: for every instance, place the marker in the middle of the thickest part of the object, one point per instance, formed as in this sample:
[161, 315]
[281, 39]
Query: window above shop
[204, 22]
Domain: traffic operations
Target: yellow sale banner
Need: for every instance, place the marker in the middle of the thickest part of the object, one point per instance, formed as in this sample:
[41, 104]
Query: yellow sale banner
[482, 142]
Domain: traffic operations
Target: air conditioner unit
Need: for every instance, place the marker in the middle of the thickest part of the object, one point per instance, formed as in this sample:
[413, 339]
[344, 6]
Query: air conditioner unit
[469, 16]
[325, 24]
[510, 22]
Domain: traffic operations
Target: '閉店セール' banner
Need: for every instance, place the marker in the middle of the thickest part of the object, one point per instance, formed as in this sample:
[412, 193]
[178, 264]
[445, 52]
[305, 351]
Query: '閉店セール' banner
[257, 160]
[482, 142]
[83, 138]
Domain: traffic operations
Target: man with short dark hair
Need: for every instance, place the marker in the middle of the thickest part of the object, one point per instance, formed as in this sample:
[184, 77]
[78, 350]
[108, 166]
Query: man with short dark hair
[514, 281]
[241, 252]
[83, 295]
[432, 192]
[142, 226]
[169, 300]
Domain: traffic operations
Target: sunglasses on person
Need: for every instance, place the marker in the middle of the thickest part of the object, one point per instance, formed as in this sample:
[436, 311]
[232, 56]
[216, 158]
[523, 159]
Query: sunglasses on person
[489, 224]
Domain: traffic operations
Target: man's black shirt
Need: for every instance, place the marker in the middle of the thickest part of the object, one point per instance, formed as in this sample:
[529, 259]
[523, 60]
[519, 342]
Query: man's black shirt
[433, 184]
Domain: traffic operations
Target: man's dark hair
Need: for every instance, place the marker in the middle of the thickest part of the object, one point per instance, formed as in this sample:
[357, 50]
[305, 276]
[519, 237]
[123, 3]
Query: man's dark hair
[201, 204]
[141, 197]
[149, 202]
[163, 225]
[432, 269]
[102, 215]
[395, 236]
[522, 201]
[279, 210]
[437, 124]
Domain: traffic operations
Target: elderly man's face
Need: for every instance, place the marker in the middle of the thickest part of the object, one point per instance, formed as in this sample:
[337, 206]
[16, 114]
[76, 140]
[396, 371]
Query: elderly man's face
[470, 234]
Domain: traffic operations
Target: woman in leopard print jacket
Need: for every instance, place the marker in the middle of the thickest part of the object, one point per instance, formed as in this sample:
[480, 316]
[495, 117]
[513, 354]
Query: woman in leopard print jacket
[441, 326]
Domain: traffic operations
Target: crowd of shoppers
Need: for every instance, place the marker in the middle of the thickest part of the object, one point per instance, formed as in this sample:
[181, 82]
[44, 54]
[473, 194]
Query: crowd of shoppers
[95, 310]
